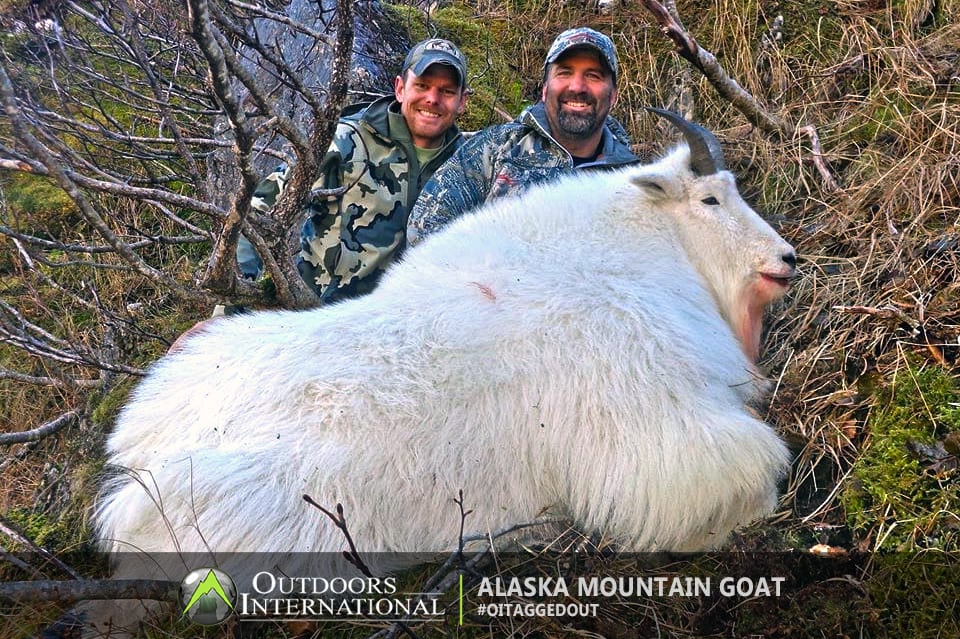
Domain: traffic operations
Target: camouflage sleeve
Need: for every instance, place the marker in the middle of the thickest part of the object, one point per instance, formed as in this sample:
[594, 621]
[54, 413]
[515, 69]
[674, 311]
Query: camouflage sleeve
[265, 196]
[459, 186]
[322, 226]
[270, 189]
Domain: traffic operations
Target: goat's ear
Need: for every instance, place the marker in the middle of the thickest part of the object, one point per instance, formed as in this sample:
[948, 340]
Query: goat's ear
[656, 187]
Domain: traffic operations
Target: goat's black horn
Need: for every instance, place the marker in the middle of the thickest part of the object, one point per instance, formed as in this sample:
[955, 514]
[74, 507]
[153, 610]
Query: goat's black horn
[706, 156]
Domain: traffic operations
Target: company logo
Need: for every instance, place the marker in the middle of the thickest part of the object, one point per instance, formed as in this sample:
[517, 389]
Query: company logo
[208, 596]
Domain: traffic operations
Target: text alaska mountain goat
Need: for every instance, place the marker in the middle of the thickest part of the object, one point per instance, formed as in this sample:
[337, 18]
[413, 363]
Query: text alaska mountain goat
[586, 349]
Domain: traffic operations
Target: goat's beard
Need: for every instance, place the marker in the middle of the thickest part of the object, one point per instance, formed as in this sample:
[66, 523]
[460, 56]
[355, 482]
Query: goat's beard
[756, 296]
[749, 327]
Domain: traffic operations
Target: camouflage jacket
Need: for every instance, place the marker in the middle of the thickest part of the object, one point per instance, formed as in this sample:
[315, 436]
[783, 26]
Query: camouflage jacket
[504, 160]
[347, 241]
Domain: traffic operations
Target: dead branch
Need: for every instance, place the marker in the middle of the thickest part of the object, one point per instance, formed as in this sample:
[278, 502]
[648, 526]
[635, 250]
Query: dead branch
[15, 535]
[818, 160]
[124, 189]
[259, 10]
[89, 212]
[47, 429]
[52, 245]
[109, 320]
[221, 274]
[23, 378]
[284, 240]
[688, 48]
[448, 575]
[464, 513]
[17, 330]
[66, 592]
[169, 120]
[885, 313]
[15, 165]
[263, 101]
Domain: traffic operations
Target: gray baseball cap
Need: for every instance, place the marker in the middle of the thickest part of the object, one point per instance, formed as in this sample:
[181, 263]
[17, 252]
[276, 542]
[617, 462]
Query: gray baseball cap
[436, 51]
[584, 37]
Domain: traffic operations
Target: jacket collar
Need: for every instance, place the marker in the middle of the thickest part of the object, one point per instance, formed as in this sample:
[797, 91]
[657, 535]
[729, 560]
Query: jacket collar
[616, 143]
[383, 116]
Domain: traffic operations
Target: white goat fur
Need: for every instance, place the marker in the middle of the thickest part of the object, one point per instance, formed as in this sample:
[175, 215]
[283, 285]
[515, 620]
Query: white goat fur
[574, 349]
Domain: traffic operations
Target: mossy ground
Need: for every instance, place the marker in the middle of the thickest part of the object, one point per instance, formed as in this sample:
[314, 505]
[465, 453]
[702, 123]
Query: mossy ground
[899, 497]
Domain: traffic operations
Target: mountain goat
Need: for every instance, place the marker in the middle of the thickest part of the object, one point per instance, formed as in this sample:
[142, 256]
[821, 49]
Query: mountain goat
[586, 349]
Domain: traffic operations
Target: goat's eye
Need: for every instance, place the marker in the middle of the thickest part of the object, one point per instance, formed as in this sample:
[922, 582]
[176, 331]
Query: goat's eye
[710, 201]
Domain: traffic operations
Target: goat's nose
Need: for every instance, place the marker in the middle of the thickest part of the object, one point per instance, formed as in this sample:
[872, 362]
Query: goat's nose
[790, 259]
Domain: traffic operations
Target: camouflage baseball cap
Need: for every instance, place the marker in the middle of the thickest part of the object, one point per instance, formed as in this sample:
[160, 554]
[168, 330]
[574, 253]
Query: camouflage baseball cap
[584, 37]
[436, 51]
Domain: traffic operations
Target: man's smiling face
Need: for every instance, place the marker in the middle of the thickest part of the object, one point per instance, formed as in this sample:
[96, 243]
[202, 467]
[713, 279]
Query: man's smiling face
[578, 93]
[430, 103]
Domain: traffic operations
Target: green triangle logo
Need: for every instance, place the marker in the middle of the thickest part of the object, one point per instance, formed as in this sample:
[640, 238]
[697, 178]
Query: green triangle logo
[200, 600]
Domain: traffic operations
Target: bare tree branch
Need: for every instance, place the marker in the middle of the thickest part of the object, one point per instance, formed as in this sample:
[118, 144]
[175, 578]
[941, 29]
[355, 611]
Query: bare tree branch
[259, 10]
[6, 528]
[221, 273]
[49, 428]
[818, 159]
[290, 287]
[110, 125]
[88, 590]
[80, 248]
[287, 73]
[706, 63]
[340, 521]
[72, 189]
[6, 373]
[130, 72]
[15, 165]
[169, 119]
[264, 104]
[125, 190]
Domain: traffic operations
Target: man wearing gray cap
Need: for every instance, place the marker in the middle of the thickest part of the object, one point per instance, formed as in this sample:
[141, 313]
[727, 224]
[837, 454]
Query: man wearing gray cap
[385, 150]
[570, 128]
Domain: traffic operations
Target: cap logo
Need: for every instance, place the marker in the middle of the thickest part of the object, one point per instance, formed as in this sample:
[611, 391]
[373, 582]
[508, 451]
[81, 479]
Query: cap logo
[581, 37]
[441, 45]
[584, 36]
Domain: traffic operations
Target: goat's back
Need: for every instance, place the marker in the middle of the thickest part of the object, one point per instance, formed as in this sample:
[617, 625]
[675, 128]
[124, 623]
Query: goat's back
[537, 345]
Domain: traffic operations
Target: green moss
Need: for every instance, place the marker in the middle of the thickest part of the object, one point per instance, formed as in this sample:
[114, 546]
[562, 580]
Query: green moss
[916, 595]
[54, 534]
[33, 196]
[884, 117]
[105, 410]
[495, 85]
[893, 495]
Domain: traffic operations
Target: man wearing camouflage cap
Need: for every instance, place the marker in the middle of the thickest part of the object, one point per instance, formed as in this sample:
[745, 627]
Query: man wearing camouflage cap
[385, 150]
[570, 128]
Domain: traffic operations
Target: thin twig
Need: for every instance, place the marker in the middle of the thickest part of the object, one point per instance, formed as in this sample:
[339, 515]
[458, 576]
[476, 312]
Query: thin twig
[338, 519]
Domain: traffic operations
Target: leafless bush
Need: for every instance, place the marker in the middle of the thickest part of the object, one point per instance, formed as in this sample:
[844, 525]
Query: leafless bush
[140, 130]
